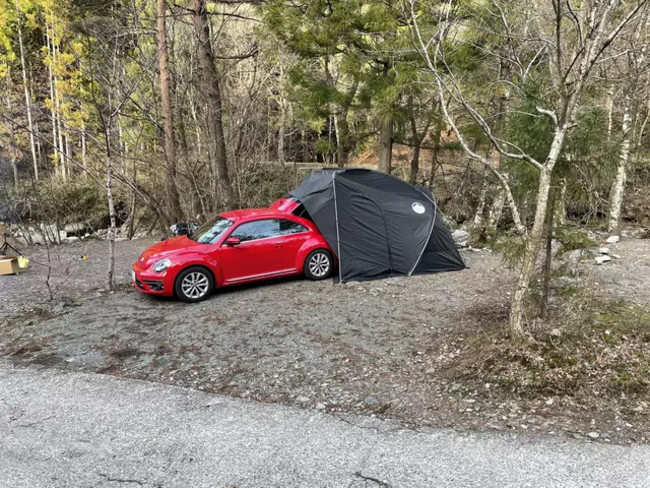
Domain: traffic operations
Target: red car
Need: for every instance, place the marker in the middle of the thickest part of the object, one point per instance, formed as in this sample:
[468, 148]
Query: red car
[233, 248]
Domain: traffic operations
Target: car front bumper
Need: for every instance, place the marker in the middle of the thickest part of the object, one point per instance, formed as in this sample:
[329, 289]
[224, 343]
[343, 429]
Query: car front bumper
[153, 283]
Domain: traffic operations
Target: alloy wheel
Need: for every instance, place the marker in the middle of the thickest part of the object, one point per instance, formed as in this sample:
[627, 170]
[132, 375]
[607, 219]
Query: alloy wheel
[319, 264]
[195, 285]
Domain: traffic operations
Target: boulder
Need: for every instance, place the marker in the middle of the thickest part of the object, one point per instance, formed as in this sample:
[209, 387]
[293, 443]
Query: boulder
[460, 235]
[612, 239]
[573, 261]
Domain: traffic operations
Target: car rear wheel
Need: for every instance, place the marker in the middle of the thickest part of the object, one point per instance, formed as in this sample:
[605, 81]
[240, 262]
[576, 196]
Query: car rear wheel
[319, 264]
[194, 284]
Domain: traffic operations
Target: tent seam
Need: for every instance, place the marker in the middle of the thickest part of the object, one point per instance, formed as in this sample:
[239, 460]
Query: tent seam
[338, 237]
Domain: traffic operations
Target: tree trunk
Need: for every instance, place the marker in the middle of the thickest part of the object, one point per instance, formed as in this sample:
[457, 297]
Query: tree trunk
[437, 134]
[548, 258]
[618, 188]
[57, 107]
[174, 211]
[534, 240]
[417, 139]
[385, 149]
[55, 145]
[479, 217]
[28, 102]
[281, 129]
[214, 110]
[112, 231]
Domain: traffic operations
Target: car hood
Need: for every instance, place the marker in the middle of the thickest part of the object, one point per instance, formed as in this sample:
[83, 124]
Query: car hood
[166, 248]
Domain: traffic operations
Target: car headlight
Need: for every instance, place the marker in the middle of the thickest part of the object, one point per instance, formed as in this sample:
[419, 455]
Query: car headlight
[161, 265]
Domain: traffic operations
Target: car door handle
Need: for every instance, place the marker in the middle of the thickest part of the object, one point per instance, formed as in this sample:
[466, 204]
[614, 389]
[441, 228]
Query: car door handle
[277, 244]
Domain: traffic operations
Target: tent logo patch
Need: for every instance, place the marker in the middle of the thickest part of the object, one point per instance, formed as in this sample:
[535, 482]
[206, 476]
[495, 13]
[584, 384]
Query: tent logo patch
[418, 208]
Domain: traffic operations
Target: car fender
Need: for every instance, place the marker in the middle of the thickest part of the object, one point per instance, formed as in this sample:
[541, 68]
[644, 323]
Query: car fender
[315, 242]
[205, 260]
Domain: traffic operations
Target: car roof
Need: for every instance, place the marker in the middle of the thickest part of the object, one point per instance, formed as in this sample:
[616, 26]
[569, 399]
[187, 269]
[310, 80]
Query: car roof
[254, 213]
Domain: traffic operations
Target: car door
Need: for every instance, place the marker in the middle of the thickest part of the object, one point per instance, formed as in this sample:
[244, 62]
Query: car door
[293, 235]
[258, 254]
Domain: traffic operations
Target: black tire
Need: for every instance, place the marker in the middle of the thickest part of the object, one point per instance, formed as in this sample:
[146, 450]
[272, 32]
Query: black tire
[194, 284]
[319, 265]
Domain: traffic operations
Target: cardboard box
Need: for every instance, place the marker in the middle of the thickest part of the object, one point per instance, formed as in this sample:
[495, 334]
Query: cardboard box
[9, 265]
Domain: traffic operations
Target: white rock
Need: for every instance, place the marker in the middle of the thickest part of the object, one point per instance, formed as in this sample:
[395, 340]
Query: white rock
[603, 250]
[615, 256]
[460, 235]
[613, 239]
[549, 401]
[602, 259]
[594, 435]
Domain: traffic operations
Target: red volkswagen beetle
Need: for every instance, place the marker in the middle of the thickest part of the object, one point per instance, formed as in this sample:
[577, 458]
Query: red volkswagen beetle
[232, 248]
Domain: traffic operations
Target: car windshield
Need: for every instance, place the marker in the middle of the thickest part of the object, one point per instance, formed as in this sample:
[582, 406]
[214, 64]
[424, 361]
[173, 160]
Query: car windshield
[209, 232]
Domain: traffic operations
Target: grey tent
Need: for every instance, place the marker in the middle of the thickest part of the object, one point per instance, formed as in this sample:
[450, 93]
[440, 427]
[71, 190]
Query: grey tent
[377, 224]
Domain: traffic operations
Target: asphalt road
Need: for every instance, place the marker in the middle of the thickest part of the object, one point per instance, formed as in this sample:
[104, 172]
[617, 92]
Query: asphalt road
[83, 430]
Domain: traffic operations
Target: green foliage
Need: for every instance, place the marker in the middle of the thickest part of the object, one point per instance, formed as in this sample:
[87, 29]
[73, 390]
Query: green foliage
[574, 238]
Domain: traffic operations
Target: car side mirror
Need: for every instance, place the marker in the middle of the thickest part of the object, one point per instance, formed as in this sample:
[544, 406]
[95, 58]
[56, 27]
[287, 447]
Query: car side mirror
[233, 241]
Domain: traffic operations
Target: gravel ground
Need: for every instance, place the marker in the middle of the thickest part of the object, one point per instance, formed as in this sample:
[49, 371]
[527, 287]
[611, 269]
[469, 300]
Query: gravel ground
[379, 348]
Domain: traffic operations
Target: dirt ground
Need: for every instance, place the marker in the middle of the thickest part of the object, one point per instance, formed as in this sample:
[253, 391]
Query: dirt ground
[379, 348]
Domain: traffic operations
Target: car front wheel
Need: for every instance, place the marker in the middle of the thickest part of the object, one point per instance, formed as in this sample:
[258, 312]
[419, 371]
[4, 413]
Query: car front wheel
[194, 284]
[319, 264]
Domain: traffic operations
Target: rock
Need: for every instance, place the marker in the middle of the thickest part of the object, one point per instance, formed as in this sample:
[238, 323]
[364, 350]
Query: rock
[395, 282]
[549, 401]
[462, 244]
[556, 333]
[460, 235]
[574, 261]
[302, 399]
[371, 400]
[602, 259]
[320, 406]
[72, 239]
[455, 387]
[593, 435]
[76, 228]
[613, 239]
[375, 291]
[603, 250]
[615, 256]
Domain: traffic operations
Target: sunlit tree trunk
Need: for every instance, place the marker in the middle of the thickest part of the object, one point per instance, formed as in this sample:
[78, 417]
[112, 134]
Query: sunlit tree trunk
[618, 188]
[28, 101]
[534, 240]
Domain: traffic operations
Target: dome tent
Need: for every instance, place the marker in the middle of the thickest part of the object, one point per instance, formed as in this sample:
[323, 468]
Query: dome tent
[377, 224]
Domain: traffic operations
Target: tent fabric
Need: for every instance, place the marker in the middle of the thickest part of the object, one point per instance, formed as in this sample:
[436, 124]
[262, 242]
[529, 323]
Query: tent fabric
[377, 224]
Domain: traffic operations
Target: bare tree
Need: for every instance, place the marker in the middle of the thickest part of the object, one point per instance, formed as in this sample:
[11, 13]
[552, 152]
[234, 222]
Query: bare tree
[571, 39]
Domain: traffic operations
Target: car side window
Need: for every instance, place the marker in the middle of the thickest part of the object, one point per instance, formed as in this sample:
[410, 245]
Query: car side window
[290, 227]
[258, 229]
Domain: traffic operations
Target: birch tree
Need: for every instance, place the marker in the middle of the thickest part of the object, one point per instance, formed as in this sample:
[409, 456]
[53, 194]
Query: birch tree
[634, 74]
[567, 38]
